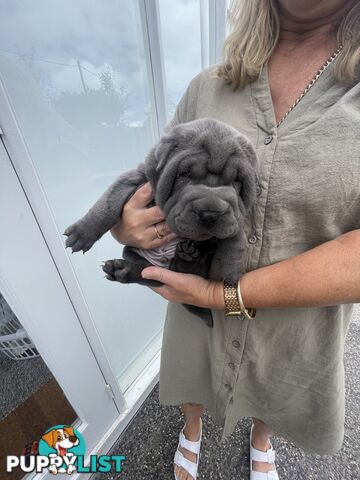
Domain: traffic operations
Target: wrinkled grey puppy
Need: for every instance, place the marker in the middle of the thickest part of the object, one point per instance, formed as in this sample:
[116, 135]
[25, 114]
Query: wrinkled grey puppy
[203, 174]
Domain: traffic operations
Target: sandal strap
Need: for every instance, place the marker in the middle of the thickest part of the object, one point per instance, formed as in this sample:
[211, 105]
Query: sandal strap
[272, 475]
[193, 447]
[259, 456]
[183, 462]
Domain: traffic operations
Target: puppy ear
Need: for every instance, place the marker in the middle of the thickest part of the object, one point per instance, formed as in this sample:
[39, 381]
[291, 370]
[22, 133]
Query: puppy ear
[158, 157]
[167, 179]
[50, 438]
[248, 188]
[163, 151]
[247, 171]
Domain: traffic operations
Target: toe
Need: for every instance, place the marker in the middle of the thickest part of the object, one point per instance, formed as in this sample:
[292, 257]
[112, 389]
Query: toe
[108, 267]
[182, 474]
[185, 475]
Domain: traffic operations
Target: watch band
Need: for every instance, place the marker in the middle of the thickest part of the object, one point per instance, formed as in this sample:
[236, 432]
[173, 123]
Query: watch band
[232, 305]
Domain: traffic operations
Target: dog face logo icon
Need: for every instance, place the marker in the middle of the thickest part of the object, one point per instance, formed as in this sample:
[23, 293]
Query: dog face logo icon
[62, 444]
[62, 439]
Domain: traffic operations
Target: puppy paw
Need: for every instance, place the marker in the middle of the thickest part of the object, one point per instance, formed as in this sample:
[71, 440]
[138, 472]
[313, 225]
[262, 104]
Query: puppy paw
[231, 275]
[52, 469]
[80, 237]
[118, 270]
[187, 250]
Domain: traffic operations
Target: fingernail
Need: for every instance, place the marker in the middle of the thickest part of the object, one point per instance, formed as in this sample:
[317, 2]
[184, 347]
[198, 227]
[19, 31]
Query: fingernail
[146, 273]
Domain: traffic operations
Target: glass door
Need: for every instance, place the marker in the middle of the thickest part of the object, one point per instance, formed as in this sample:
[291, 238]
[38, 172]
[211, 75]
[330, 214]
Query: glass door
[77, 90]
[48, 372]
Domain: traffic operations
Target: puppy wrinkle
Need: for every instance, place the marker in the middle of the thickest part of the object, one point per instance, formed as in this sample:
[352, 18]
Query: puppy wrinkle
[162, 152]
[166, 182]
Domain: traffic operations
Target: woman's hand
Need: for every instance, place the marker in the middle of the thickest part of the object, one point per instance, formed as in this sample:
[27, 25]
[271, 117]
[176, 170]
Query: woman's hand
[187, 288]
[136, 226]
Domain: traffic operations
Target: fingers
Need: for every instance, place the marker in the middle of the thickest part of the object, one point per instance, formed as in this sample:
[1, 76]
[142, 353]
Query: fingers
[153, 215]
[153, 241]
[159, 234]
[142, 196]
[159, 242]
[161, 229]
[161, 274]
[138, 222]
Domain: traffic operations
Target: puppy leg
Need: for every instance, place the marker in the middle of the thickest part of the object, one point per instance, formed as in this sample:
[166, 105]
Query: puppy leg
[105, 213]
[203, 313]
[128, 270]
[194, 257]
[228, 261]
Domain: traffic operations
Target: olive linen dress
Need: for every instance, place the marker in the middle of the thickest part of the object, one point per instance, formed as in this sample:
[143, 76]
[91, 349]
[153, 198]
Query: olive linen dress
[284, 367]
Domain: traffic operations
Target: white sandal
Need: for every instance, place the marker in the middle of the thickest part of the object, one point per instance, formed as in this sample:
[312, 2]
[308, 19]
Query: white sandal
[259, 456]
[193, 447]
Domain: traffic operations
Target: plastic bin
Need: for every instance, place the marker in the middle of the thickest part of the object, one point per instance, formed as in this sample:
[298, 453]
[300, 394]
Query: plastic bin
[14, 341]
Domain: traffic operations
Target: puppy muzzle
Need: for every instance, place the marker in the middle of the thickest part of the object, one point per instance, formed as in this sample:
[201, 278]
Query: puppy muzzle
[206, 212]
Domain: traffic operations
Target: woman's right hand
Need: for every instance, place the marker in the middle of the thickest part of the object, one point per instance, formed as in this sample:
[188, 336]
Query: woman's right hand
[136, 226]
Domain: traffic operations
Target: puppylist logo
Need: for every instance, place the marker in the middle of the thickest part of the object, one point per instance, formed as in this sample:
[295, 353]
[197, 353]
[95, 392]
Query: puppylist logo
[62, 450]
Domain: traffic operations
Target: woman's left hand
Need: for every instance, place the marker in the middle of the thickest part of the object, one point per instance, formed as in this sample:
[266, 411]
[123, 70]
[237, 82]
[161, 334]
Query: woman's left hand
[186, 288]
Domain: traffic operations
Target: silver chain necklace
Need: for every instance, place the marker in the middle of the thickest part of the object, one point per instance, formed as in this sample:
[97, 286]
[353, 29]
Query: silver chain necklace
[313, 80]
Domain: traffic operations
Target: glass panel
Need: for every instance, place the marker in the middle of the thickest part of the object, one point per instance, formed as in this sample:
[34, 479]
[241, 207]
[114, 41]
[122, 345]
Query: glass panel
[31, 400]
[182, 46]
[76, 76]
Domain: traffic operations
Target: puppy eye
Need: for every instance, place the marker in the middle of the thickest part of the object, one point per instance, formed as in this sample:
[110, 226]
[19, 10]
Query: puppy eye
[238, 186]
[184, 174]
[175, 146]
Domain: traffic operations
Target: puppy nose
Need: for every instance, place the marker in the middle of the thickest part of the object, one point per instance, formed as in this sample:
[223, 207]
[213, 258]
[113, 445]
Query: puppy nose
[72, 439]
[209, 217]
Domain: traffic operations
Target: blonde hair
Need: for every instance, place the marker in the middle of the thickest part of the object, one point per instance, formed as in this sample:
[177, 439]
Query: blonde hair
[254, 32]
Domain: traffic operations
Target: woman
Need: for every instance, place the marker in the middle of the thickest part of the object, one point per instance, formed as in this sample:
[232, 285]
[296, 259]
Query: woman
[284, 368]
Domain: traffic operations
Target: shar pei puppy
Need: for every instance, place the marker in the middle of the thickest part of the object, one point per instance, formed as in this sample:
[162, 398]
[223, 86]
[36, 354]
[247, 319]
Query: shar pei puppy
[203, 174]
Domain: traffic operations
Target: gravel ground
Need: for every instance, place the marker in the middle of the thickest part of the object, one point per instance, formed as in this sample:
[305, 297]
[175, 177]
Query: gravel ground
[151, 438]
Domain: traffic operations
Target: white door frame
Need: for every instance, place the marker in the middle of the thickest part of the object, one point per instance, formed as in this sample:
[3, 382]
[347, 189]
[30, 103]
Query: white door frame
[151, 31]
[217, 27]
[30, 283]
[24, 167]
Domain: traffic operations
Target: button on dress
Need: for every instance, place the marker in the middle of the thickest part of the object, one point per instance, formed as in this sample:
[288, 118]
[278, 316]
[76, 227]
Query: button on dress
[284, 367]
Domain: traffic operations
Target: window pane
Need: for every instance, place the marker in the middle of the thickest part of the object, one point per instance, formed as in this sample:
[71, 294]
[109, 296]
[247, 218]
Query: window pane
[181, 39]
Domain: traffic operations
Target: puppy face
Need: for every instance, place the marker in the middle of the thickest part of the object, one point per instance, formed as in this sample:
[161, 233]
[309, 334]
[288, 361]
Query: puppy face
[203, 173]
[61, 438]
